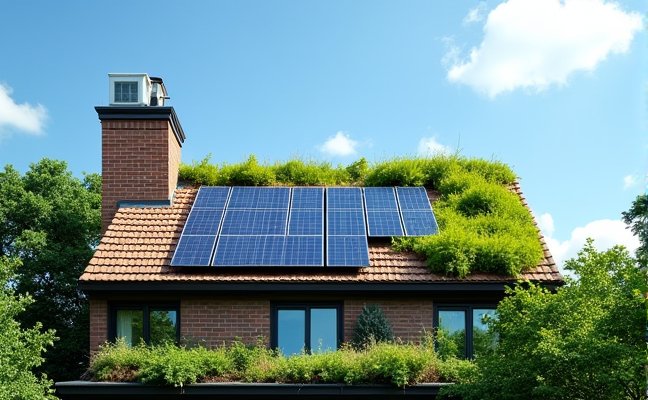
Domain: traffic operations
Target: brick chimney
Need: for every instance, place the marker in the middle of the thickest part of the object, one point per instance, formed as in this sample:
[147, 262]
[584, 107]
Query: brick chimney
[140, 143]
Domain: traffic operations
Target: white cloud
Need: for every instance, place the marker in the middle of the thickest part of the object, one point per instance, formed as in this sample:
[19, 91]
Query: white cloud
[605, 232]
[429, 147]
[630, 181]
[339, 145]
[23, 117]
[475, 14]
[533, 44]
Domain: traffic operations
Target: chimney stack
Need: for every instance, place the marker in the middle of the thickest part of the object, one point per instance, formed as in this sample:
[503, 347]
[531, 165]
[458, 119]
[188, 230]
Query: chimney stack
[140, 143]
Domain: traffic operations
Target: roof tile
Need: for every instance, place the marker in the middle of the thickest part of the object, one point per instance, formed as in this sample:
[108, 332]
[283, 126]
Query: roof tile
[139, 244]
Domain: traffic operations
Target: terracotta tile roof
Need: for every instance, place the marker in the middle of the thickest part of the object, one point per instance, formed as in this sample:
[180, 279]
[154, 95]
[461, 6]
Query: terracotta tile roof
[140, 242]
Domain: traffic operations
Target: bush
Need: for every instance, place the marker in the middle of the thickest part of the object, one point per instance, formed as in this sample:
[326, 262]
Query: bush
[397, 364]
[372, 327]
[584, 341]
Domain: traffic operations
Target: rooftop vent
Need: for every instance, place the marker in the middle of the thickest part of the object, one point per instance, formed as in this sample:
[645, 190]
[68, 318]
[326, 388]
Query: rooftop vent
[136, 90]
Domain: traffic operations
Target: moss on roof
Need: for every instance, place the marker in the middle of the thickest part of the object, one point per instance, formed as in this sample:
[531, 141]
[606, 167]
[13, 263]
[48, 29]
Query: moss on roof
[484, 227]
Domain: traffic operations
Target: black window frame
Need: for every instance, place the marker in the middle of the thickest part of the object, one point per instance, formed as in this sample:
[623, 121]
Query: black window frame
[146, 309]
[468, 309]
[307, 307]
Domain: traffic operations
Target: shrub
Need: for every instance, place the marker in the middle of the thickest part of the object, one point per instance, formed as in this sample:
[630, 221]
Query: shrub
[372, 326]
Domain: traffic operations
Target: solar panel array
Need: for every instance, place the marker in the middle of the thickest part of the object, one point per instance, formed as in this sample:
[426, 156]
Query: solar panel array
[280, 226]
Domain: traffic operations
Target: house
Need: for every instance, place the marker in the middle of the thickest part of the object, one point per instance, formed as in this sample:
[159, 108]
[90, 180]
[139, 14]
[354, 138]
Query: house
[136, 293]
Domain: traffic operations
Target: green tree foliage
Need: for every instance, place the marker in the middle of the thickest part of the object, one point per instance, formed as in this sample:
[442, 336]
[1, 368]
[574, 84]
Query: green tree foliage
[50, 220]
[637, 218]
[483, 225]
[20, 348]
[584, 341]
[371, 327]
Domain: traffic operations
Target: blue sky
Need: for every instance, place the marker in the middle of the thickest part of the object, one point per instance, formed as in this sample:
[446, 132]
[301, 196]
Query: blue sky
[555, 89]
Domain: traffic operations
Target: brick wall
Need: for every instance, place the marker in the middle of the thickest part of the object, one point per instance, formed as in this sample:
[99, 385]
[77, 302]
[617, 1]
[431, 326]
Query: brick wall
[98, 323]
[215, 321]
[410, 318]
[140, 160]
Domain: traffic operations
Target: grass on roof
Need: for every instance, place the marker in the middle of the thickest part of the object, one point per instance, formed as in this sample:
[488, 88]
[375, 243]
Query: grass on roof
[484, 227]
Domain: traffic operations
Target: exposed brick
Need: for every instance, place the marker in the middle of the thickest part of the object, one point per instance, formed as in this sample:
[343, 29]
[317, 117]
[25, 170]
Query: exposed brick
[140, 161]
[98, 323]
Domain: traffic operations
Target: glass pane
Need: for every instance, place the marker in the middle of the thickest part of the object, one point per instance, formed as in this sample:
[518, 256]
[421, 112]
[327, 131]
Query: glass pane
[483, 340]
[163, 326]
[129, 326]
[323, 335]
[451, 335]
[291, 331]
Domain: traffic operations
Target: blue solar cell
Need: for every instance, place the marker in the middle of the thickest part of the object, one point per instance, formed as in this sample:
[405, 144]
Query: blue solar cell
[254, 222]
[203, 221]
[413, 198]
[346, 222]
[307, 197]
[259, 197]
[193, 251]
[304, 251]
[384, 223]
[419, 223]
[251, 251]
[346, 198]
[380, 198]
[211, 197]
[347, 251]
[306, 222]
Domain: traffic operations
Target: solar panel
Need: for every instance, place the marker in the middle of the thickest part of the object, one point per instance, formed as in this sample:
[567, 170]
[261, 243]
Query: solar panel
[384, 223]
[203, 221]
[419, 223]
[380, 198]
[383, 218]
[307, 197]
[347, 251]
[346, 222]
[251, 251]
[194, 251]
[416, 211]
[346, 197]
[259, 197]
[306, 222]
[413, 198]
[255, 222]
[305, 251]
[211, 197]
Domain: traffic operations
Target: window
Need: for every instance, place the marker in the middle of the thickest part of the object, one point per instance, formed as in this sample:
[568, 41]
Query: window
[462, 330]
[153, 324]
[126, 92]
[310, 328]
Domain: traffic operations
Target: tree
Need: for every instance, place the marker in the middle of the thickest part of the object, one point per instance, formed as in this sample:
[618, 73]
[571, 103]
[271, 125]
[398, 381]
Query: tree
[372, 327]
[637, 220]
[50, 221]
[20, 349]
[584, 341]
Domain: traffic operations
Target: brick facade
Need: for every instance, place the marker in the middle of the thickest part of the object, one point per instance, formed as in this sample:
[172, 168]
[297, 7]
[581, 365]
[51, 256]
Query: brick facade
[140, 160]
[214, 322]
[98, 323]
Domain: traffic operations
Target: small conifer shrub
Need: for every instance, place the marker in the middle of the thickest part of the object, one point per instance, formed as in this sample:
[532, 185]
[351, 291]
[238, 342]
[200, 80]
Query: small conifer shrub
[372, 327]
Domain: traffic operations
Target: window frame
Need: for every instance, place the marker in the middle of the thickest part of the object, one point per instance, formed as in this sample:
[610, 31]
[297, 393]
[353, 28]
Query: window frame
[468, 309]
[146, 309]
[306, 307]
[122, 84]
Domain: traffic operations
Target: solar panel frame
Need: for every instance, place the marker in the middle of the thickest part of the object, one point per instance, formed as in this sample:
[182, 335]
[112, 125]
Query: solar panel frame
[191, 251]
[347, 251]
[384, 224]
[212, 197]
[252, 197]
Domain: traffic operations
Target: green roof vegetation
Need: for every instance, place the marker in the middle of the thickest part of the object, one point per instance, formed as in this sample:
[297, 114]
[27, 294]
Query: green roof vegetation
[396, 364]
[484, 227]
